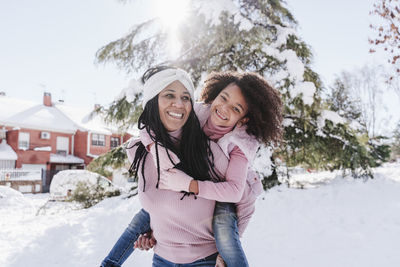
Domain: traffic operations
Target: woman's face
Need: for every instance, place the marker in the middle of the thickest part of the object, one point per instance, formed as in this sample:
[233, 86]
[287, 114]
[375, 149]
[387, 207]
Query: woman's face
[174, 106]
[229, 107]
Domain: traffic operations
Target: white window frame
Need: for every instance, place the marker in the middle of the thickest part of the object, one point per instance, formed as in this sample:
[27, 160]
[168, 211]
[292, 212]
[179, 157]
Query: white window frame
[23, 144]
[62, 145]
[114, 140]
[98, 139]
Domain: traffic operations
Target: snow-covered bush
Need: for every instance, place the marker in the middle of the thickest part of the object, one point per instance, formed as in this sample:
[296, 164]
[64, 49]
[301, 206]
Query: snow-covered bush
[82, 186]
[90, 194]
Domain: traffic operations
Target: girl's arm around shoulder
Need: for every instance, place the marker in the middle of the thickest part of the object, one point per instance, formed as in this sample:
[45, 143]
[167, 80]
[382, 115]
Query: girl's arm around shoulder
[232, 189]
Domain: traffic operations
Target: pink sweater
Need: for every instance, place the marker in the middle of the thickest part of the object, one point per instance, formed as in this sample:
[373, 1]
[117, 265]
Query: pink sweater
[182, 228]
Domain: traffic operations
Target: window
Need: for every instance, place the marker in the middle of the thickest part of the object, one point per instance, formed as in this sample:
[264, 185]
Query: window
[98, 140]
[23, 141]
[62, 145]
[114, 142]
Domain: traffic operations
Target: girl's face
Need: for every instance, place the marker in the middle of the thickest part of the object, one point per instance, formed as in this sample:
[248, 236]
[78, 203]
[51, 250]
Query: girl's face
[174, 106]
[229, 107]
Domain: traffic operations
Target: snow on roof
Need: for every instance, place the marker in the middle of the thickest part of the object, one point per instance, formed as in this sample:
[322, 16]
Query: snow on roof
[58, 118]
[57, 158]
[42, 117]
[87, 120]
[11, 106]
[42, 148]
[6, 152]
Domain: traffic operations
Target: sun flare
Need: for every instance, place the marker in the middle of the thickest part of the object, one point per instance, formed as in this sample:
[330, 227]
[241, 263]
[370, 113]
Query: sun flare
[171, 14]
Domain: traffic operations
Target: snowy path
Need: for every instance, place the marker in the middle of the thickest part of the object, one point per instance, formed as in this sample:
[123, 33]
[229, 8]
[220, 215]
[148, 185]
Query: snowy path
[347, 223]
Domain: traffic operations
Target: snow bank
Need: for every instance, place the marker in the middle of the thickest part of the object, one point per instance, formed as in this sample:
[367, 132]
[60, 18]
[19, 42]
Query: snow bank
[346, 223]
[9, 195]
[13, 203]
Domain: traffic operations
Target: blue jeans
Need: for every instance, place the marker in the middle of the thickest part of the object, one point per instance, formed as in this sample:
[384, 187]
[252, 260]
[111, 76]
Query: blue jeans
[206, 262]
[227, 235]
[140, 224]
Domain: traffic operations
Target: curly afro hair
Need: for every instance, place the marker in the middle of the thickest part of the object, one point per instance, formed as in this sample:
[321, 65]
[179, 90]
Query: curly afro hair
[263, 101]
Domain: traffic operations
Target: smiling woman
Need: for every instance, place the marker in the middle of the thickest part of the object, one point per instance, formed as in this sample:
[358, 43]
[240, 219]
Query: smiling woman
[174, 106]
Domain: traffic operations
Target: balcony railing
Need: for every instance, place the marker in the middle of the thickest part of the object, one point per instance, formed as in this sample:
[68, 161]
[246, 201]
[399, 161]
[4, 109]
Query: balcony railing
[20, 175]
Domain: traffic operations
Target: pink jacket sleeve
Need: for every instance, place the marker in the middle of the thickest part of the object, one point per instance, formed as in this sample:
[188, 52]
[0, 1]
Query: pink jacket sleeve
[232, 189]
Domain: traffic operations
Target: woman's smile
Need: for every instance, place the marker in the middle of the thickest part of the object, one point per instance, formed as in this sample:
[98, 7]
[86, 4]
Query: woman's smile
[175, 115]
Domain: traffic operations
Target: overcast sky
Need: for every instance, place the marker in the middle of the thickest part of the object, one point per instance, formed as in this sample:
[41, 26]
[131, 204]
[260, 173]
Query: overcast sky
[50, 45]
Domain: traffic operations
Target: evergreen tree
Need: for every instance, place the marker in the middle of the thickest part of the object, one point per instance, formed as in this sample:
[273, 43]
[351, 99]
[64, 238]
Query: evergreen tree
[341, 101]
[257, 36]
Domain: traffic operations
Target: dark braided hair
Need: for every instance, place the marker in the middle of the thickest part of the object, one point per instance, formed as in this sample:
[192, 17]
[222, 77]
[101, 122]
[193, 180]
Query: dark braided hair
[193, 149]
[263, 102]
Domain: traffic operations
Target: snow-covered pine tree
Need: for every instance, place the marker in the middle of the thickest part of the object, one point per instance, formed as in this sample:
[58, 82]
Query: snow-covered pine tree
[345, 100]
[249, 35]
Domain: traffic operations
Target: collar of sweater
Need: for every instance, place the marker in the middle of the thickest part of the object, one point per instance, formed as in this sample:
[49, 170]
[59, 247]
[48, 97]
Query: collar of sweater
[215, 132]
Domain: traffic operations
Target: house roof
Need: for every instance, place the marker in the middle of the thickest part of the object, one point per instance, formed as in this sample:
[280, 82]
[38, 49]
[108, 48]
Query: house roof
[57, 158]
[11, 106]
[58, 118]
[41, 117]
[87, 120]
[6, 151]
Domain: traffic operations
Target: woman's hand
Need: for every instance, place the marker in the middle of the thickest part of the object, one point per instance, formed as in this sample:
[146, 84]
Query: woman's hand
[220, 262]
[174, 180]
[145, 241]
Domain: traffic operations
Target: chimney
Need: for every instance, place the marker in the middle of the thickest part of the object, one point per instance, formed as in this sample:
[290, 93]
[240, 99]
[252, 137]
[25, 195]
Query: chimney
[47, 99]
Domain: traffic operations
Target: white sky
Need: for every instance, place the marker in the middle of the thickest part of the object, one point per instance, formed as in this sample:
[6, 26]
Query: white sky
[50, 45]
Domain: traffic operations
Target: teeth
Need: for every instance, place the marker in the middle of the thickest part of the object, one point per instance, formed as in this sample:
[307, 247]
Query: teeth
[176, 115]
[220, 115]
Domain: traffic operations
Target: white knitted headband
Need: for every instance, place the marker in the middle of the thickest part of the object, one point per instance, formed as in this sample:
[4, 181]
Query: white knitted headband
[156, 83]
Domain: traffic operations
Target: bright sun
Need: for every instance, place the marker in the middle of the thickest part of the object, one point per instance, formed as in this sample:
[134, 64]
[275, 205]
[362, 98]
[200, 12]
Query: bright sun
[172, 13]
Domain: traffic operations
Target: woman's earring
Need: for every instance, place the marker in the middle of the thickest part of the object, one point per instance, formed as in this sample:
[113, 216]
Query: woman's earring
[239, 124]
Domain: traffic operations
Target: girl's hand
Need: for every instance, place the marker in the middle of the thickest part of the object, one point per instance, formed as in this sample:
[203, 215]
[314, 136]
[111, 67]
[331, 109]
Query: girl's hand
[145, 241]
[174, 180]
[220, 262]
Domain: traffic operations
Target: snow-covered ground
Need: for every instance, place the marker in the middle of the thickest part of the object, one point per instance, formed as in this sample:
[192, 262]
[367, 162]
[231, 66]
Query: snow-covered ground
[341, 223]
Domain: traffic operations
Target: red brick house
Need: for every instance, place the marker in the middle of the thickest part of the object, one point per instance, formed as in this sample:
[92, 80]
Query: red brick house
[52, 136]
